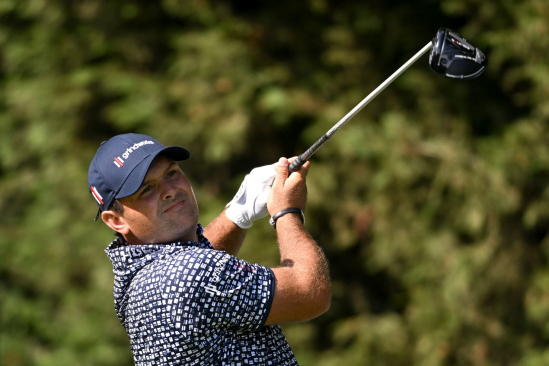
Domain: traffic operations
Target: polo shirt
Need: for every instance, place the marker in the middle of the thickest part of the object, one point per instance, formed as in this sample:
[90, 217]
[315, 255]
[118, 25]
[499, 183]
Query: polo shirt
[186, 303]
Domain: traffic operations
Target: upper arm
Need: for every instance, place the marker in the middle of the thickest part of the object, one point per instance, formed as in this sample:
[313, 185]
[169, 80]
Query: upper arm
[297, 297]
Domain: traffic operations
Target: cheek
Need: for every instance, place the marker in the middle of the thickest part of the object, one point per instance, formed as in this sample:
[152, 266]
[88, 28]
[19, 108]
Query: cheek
[186, 186]
[138, 218]
[144, 207]
[191, 192]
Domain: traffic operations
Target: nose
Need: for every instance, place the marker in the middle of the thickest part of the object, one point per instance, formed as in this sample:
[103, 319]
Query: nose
[168, 191]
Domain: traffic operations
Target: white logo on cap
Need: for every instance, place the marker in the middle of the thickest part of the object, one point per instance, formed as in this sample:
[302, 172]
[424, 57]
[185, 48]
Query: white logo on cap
[119, 162]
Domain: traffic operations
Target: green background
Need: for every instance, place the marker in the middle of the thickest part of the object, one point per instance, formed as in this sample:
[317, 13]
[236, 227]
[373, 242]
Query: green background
[432, 204]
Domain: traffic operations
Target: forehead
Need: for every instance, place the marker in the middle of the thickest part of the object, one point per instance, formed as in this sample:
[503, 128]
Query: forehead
[159, 164]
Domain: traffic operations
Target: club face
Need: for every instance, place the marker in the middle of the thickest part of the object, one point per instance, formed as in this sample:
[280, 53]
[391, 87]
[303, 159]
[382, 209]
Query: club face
[452, 56]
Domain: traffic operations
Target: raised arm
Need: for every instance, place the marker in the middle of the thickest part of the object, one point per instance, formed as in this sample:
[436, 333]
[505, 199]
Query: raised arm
[224, 234]
[303, 289]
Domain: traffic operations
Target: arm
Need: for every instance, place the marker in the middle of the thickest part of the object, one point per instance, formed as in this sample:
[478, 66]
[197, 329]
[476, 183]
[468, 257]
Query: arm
[224, 234]
[302, 289]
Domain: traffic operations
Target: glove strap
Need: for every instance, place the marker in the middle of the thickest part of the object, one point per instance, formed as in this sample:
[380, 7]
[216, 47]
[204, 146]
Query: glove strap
[279, 214]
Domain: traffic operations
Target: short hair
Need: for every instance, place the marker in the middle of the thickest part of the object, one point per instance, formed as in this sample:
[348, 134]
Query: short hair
[116, 206]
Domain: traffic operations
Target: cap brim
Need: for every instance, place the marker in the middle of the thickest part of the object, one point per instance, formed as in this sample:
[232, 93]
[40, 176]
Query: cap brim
[137, 176]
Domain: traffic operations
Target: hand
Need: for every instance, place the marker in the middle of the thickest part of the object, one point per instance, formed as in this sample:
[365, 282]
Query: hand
[288, 190]
[250, 202]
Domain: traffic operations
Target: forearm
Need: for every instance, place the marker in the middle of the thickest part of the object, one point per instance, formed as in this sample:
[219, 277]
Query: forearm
[303, 289]
[300, 252]
[302, 281]
[225, 235]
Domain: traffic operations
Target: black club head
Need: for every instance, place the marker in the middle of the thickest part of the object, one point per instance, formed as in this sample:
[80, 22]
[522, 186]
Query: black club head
[453, 57]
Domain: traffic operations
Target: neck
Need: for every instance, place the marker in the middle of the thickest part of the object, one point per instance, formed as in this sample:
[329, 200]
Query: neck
[133, 240]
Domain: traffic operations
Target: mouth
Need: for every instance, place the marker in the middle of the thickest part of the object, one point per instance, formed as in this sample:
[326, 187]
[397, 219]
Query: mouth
[175, 206]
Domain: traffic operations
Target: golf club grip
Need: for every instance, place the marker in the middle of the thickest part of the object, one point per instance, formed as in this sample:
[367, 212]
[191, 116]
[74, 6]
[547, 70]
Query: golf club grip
[302, 159]
[296, 164]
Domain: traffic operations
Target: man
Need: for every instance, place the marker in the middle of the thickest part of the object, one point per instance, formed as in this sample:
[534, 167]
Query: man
[180, 292]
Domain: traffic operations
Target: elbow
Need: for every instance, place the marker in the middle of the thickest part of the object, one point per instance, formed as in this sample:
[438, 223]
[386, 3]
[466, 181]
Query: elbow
[325, 300]
[322, 300]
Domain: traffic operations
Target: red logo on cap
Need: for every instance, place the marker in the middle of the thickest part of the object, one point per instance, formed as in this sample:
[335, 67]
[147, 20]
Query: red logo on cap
[118, 162]
[96, 195]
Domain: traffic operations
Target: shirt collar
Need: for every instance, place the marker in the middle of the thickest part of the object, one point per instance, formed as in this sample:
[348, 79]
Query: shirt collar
[203, 242]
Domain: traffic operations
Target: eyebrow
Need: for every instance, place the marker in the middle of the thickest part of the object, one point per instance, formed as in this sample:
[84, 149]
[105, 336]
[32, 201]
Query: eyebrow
[146, 183]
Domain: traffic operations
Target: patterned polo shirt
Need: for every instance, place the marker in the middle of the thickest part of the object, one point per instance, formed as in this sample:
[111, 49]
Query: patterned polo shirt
[189, 304]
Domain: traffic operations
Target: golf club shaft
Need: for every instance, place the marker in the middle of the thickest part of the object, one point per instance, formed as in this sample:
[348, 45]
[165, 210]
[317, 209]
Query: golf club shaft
[301, 159]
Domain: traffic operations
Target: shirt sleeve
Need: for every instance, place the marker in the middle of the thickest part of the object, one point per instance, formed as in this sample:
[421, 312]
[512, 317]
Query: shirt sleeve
[213, 289]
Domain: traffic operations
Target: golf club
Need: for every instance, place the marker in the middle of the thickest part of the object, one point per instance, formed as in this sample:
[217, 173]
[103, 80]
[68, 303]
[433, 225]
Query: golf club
[451, 56]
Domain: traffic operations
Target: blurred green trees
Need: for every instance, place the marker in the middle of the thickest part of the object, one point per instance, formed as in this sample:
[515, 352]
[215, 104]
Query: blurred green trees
[432, 205]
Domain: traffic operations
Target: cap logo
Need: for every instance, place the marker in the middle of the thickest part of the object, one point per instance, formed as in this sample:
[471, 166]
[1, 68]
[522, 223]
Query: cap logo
[96, 195]
[119, 162]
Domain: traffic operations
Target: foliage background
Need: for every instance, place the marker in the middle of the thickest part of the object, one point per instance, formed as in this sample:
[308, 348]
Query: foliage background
[432, 205]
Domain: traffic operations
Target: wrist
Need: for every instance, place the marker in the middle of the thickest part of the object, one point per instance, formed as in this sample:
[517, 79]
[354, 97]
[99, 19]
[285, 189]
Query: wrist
[289, 222]
[293, 211]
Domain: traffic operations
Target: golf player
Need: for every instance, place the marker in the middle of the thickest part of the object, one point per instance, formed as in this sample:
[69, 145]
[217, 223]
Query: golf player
[180, 292]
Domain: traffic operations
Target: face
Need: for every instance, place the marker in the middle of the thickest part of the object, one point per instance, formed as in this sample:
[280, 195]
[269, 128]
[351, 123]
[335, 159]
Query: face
[163, 210]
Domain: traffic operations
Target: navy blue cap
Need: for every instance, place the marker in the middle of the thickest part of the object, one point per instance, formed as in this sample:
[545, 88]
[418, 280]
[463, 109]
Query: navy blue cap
[121, 164]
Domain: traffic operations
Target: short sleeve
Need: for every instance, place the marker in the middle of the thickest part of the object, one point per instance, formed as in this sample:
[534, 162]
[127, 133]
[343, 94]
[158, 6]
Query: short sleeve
[212, 289]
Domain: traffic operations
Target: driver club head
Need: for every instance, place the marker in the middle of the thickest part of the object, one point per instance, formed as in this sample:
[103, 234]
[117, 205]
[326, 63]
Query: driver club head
[452, 56]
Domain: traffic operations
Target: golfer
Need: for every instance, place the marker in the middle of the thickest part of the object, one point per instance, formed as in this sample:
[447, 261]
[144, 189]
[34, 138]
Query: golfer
[180, 292]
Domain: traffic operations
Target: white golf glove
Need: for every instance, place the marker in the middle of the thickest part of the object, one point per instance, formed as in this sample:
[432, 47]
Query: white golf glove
[250, 202]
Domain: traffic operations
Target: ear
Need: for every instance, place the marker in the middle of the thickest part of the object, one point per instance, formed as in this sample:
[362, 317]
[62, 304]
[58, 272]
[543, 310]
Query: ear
[115, 221]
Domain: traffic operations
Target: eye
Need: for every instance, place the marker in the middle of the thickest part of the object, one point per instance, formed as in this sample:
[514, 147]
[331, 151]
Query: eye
[172, 173]
[146, 189]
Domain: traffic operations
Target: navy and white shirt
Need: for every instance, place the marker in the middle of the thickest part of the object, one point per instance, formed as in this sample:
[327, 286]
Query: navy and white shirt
[189, 304]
